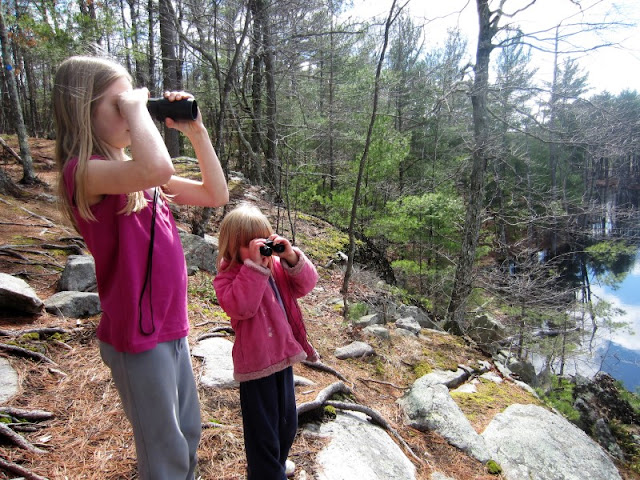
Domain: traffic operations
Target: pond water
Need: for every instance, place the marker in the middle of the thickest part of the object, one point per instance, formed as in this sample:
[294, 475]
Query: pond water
[618, 350]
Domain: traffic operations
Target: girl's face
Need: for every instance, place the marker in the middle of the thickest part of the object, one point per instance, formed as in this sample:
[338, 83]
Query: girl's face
[245, 253]
[108, 124]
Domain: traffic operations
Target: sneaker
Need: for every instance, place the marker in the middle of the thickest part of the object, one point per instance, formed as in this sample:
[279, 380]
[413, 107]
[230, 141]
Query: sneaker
[289, 468]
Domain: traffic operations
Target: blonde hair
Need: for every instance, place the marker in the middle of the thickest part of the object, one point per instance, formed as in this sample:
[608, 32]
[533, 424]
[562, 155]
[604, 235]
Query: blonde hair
[238, 228]
[80, 82]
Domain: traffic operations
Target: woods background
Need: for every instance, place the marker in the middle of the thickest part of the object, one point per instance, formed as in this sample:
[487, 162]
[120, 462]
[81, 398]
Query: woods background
[452, 180]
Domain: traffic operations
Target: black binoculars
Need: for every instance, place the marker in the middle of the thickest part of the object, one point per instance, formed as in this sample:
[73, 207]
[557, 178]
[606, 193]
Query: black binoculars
[161, 108]
[269, 247]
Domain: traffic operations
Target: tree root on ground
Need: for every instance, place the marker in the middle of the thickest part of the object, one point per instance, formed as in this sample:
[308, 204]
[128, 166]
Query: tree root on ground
[18, 470]
[324, 368]
[23, 352]
[323, 399]
[18, 439]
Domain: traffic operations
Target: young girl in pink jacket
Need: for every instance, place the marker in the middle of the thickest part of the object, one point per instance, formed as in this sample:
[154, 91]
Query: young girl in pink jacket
[260, 276]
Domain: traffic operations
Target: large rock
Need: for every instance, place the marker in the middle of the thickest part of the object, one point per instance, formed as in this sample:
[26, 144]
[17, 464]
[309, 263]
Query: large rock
[17, 296]
[8, 380]
[531, 442]
[199, 253]
[369, 320]
[354, 350]
[79, 274]
[418, 315]
[448, 378]
[487, 331]
[218, 364]
[431, 408]
[74, 304]
[410, 324]
[359, 450]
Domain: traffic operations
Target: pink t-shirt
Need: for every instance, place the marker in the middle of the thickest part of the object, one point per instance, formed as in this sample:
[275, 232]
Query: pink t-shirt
[119, 244]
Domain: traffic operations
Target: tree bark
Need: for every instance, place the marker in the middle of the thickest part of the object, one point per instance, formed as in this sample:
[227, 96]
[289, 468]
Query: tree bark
[481, 153]
[168, 41]
[29, 177]
[363, 161]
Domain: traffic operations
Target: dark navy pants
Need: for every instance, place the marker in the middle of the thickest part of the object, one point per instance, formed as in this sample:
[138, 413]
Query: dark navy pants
[270, 423]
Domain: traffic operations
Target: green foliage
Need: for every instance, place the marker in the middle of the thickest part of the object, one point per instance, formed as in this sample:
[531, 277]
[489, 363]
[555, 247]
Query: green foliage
[379, 366]
[611, 260]
[201, 288]
[421, 369]
[358, 310]
[409, 267]
[30, 336]
[323, 248]
[560, 397]
[431, 217]
[605, 314]
[632, 398]
[493, 467]
[624, 435]
[330, 411]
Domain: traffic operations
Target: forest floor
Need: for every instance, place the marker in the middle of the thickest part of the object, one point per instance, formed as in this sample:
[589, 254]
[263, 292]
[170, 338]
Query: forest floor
[89, 437]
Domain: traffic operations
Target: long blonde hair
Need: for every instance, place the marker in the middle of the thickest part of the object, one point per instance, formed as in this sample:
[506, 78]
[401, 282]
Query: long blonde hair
[80, 82]
[237, 229]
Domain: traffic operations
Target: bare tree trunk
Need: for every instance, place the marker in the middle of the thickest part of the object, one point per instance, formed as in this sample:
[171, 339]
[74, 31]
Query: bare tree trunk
[168, 42]
[265, 48]
[199, 222]
[31, 92]
[464, 272]
[363, 161]
[553, 146]
[29, 177]
[255, 168]
[151, 55]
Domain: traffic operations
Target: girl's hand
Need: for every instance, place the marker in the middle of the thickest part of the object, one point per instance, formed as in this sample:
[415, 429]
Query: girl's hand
[254, 252]
[187, 127]
[289, 255]
[133, 102]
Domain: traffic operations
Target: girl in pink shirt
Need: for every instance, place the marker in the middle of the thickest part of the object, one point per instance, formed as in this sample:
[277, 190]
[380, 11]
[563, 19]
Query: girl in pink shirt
[258, 288]
[118, 202]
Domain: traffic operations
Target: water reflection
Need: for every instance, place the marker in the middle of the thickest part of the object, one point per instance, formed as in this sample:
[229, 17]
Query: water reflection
[610, 283]
[620, 350]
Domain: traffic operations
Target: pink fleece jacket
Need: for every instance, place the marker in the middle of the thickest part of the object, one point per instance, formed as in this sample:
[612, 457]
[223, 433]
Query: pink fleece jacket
[268, 337]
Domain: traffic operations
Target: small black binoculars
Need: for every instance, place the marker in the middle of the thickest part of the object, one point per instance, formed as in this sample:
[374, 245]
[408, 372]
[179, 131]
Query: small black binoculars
[269, 247]
[161, 108]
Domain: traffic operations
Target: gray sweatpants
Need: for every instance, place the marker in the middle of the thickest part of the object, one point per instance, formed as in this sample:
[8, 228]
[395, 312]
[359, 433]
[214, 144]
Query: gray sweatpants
[160, 398]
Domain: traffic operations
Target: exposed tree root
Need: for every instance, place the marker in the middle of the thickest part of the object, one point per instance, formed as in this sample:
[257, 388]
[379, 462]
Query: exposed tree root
[18, 470]
[324, 368]
[18, 440]
[23, 352]
[323, 399]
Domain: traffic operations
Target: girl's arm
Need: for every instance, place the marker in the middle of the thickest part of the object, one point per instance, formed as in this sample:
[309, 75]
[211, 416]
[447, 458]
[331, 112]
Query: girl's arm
[240, 291]
[212, 190]
[151, 165]
[302, 277]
